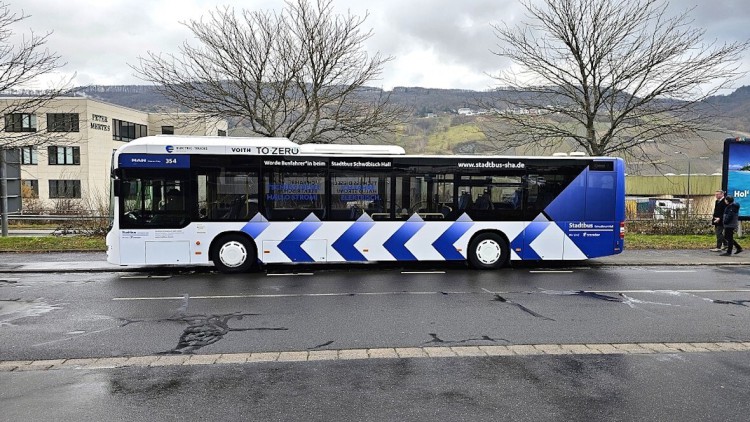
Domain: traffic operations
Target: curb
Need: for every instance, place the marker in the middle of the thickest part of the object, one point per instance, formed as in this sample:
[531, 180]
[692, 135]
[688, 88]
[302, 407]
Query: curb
[370, 354]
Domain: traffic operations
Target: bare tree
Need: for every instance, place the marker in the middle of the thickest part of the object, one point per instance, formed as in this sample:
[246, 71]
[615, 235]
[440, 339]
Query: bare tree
[20, 63]
[299, 74]
[607, 77]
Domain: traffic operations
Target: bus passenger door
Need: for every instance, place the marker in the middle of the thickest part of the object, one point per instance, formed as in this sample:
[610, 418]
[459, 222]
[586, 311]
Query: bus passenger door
[543, 238]
[601, 231]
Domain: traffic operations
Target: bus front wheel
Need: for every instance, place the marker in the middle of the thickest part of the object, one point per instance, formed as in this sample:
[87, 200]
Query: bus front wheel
[234, 254]
[488, 251]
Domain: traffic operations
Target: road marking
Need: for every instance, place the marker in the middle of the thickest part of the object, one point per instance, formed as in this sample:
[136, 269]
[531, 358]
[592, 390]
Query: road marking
[136, 277]
[550, 271]
[281, 295]
[347, 294]
[279, 274]
[674, 271]
[674, 291]
[448, 352]
[74, 335]
[422, 272]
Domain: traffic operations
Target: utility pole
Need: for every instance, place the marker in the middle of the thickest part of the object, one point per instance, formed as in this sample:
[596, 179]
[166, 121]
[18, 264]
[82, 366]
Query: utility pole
[10, 186]
[688, 181]
[3, 193]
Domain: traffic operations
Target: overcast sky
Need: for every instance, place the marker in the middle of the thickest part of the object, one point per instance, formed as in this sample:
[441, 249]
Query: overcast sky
[436, 43]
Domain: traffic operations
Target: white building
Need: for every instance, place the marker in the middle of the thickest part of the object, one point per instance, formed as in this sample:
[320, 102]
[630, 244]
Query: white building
[73, 164]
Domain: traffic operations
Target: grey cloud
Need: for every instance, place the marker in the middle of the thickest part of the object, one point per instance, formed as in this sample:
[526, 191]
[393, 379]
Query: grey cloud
[98, 39]
[457, 32]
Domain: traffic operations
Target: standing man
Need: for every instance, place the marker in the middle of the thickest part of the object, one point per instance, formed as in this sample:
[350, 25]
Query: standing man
[718, 221]
[731, 222]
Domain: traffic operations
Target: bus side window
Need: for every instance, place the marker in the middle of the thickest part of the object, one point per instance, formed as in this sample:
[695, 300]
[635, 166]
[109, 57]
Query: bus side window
[465, 202]
[174, 200]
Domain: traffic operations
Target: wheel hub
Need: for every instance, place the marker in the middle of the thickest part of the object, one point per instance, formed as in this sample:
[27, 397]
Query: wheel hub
[233, 254]
[488, 252]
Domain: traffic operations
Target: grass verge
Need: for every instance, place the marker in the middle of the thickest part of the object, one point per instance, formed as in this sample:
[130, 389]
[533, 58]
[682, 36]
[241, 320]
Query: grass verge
[669, 241]
[51, 243]
[96, 243]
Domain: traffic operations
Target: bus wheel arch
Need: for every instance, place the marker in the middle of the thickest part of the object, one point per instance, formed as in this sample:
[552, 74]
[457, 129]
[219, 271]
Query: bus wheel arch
[488, 250]
[233, 252]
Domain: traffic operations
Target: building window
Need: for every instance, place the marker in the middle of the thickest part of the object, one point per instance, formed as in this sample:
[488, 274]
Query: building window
[167, 130]
[64, 156]
[62, 122]
[30, 188]
[222, 132]
[64, 189]
[29, 155]
[20, 122]
[127, 131]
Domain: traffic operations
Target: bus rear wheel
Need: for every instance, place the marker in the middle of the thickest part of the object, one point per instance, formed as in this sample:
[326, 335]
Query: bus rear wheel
[488, 251]
[234, 254]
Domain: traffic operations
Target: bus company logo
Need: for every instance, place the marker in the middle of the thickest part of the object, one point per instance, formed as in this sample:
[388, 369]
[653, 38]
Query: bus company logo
[580, 226]
[169, 148]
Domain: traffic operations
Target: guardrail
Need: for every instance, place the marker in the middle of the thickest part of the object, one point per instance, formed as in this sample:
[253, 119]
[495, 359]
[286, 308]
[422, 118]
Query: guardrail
[63, 224]
[38, 218]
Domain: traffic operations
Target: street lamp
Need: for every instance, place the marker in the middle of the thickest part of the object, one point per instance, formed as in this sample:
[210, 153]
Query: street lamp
[688, 182]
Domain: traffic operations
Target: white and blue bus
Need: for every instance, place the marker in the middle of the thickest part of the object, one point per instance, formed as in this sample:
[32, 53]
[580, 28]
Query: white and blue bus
[243, 202]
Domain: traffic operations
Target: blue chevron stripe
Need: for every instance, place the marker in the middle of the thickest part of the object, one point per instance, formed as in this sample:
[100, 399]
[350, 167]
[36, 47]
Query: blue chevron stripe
[517, 244]
[344, 245]
[292, 244]
[396, 244]
[444, 243]
[256, 226]
[530, 233]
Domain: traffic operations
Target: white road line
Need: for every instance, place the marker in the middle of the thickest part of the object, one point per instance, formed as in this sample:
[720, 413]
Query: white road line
[278, 274]
[273, 296]
[74, 337]
[144, 276]
[673, 290]
[293, 295]
[422, 272]
[550, 271]
[674, 271]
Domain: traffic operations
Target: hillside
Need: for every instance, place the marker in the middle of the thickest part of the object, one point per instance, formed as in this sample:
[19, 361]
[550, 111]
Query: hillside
[447, 132]
[733, 110]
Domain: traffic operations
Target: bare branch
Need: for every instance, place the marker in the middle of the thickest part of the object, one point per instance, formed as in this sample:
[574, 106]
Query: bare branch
[20, 64]
[296, 74]
[606, 77]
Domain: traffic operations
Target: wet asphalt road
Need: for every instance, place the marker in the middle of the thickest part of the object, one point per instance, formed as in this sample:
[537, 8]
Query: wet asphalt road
[53, 316]
[691, 387]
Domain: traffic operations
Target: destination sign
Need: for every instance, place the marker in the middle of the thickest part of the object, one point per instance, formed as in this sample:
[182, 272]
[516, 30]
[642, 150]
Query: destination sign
[177, 161]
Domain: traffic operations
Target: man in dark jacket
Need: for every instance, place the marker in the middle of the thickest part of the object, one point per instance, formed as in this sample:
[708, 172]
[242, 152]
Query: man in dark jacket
[731, 222]
[717, 221]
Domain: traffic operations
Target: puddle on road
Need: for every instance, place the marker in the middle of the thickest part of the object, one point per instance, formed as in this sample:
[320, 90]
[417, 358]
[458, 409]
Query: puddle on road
[12, 310]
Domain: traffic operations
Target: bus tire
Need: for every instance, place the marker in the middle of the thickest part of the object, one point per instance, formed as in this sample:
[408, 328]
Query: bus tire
[488, 251]
[234, 253]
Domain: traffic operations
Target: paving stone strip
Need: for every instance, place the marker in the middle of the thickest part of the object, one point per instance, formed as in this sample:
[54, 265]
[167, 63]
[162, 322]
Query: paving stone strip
[380, 353]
